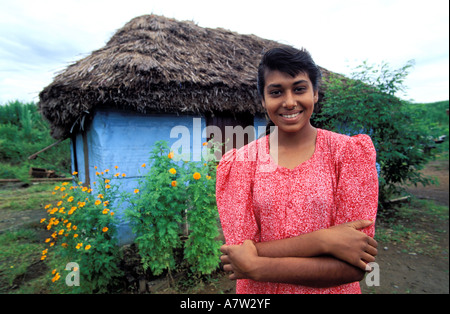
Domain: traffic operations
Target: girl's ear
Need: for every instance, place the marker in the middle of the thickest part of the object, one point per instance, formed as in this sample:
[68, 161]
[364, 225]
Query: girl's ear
[316, 96]
[263, 102]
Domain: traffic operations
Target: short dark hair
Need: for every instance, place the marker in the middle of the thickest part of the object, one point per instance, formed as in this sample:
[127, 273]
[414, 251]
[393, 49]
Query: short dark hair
[288, 60]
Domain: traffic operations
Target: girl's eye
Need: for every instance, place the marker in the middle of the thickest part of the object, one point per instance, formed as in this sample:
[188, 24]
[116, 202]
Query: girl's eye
[275, 93]
[300, 89]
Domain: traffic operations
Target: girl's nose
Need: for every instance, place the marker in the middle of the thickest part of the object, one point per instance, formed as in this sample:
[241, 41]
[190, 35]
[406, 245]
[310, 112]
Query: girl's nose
[289, 101]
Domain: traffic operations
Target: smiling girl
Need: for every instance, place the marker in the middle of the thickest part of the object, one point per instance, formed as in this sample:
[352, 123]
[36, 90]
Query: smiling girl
[307, 225]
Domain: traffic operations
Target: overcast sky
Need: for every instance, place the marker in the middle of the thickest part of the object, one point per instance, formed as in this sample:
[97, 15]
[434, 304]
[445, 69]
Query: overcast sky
[40, 38]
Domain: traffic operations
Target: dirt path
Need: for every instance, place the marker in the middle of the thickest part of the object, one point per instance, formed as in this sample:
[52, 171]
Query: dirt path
[409, 270]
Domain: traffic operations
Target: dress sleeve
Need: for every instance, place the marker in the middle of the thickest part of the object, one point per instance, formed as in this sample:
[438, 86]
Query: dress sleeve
[234, 198]
[357, 185]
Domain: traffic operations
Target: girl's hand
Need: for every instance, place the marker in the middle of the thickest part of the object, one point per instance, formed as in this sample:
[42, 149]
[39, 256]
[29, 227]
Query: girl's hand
[347, 243]
[240, 260]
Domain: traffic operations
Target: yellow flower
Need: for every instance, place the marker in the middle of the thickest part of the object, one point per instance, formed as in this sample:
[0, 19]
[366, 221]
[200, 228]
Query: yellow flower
[205, 143]
[197, 176]
[57, 276]
[105, 229]
[136, 191]
[107, 180]
[74, 173]
[98, 202]
[174, 183]
[70, 199]
[42, 220]
[64, 245]
[112, 213]
[170, 155]
[79, 245]
[172, 171]
[65, 183]
[47, 240]
[76, 234]
[59, 203]
[87, 247]
[53, 271]
[105, 211]
[117, 174]
[100, 196]
[84, 189]
[143, 165]
[115, 167]
[106, 170]
[124, 175]
[208, 177]
[107, 186]
[62, 190]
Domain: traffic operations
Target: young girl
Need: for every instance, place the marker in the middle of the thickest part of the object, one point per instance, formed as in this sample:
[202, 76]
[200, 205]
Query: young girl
[297, 206]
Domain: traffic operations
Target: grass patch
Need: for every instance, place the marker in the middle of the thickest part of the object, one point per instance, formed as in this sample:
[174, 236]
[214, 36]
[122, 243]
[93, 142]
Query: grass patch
[19, 259]
[33, 197]
[418, 226]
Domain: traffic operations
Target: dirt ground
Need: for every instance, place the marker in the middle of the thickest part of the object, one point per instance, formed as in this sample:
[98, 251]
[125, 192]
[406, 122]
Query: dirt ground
[408, 270]
[402, 269]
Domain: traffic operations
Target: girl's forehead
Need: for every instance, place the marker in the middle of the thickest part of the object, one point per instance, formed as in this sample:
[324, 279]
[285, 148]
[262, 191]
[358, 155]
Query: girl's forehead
[276, 76]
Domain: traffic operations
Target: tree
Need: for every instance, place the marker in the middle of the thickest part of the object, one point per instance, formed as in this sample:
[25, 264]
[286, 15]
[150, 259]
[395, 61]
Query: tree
[366, 103]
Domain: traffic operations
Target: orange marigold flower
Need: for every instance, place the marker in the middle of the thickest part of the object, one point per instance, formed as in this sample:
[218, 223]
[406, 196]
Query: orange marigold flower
[70, 199]
[174, 183]
[57, 187]
[117, 174]
[170, 155]
[143, 165]
[208, 177]
[105, 229]
[105, 211]
[136, 191]
[172, 171]
[76, 234]
[115, 167]
[205, 143]
[42, 220]
[107, 180]
[124, 175]
[107, 186]
[87, 247]
[197, 176]
[74, 173]
[79, 245]
[112, 213]
[98, 202]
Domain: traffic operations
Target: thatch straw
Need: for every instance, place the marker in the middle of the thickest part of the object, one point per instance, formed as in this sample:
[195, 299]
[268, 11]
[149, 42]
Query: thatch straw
[157, 64]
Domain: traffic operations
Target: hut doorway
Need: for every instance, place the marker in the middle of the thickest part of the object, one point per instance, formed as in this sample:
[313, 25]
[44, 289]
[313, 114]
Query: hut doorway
[231, 129]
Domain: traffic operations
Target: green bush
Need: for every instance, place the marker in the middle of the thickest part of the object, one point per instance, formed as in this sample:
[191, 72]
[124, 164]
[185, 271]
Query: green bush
[171, 193]
[23, 132]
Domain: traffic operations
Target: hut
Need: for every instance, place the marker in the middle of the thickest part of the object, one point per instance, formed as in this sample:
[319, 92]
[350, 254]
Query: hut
[153, 75]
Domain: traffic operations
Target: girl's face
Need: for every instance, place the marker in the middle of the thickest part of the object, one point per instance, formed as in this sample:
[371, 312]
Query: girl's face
[289, 101]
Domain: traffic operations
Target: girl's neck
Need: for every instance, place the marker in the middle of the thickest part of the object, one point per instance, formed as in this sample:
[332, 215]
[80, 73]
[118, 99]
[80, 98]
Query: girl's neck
[291, 140]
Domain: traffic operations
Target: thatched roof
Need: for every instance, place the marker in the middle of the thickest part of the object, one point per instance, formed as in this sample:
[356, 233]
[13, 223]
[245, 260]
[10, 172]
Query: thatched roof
[158, 64]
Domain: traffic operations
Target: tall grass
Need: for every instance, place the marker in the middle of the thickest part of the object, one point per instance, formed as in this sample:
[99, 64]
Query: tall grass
[23, 132]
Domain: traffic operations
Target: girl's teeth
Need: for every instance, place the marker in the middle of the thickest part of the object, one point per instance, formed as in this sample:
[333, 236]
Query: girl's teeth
[290, 115]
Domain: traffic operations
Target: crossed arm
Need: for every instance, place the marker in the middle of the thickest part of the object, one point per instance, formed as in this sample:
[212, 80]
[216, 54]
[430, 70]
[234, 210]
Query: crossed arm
[323, 258]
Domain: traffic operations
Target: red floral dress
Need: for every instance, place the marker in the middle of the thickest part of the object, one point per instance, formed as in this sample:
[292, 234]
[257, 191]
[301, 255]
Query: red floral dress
[262, 201]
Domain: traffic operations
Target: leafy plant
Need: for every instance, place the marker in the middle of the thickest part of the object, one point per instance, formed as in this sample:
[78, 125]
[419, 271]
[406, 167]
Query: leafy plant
[201, 250]
[171, 192]
[84, 232]
[156, 211]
